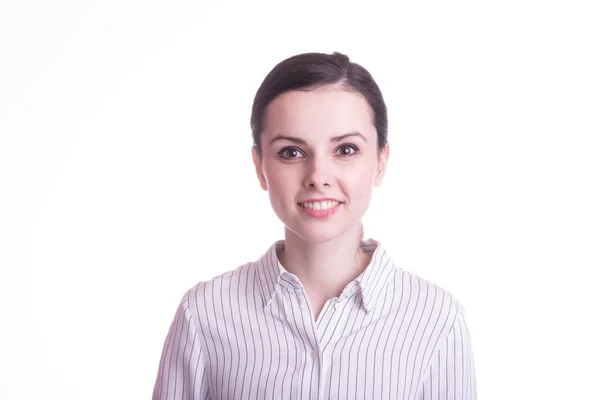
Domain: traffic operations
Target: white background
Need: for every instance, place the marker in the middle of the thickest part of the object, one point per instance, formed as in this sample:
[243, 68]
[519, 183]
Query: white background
[126, 176]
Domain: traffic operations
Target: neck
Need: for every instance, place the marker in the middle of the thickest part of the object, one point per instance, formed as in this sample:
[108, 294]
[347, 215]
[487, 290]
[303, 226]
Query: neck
[325, 268]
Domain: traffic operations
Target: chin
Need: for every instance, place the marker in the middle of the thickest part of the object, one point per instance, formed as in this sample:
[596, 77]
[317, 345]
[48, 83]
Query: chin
[316, 231]
[317, 234]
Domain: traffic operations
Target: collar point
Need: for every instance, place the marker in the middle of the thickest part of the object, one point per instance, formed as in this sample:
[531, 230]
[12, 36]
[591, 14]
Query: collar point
[267, 302]
[368, 307]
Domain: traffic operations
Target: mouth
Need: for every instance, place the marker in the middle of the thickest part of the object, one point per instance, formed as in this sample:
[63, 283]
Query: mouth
[320, 205]
[320, 209]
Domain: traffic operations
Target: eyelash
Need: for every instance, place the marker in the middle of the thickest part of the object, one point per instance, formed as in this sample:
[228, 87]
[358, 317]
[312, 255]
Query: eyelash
[282, 152]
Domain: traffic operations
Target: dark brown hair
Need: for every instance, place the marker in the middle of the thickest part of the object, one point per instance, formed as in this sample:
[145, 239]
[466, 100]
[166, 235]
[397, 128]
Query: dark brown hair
[310, 71]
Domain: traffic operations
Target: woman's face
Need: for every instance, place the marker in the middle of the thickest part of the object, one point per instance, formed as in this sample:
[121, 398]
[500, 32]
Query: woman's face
[320, 161]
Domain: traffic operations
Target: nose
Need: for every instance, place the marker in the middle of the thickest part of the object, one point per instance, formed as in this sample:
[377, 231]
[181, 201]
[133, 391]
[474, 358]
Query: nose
[317, 174]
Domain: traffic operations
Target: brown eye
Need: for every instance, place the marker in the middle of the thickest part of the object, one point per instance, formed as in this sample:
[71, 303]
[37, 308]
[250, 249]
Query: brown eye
[347, 150]
[289, 153]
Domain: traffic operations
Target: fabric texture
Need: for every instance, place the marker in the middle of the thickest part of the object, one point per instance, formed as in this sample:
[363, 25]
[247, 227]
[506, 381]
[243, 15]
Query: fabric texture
[250, 334]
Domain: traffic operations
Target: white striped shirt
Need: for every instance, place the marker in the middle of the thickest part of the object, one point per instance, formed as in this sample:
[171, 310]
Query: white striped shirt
[250, 334]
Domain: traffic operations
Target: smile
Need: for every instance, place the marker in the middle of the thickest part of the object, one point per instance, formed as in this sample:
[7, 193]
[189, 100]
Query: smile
[320, 209]
[320, 205]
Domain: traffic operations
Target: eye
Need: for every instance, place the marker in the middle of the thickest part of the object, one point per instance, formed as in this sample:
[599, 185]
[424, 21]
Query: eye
[347, 150]
[289, 153]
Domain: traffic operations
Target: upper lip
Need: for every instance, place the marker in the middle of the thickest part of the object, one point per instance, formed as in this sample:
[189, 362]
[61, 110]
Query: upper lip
[320, 200]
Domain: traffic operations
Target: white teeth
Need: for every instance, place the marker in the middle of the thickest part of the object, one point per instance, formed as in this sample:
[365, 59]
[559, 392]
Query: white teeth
[320, 205]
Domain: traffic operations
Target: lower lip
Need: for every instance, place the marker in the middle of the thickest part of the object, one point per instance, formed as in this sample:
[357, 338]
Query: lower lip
[320, 213]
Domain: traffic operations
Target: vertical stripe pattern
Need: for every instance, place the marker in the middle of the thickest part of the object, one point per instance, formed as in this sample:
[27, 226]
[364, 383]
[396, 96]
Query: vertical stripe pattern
[250, 334]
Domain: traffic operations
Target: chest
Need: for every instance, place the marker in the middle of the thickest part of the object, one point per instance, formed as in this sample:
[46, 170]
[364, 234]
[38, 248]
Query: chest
[282, 352]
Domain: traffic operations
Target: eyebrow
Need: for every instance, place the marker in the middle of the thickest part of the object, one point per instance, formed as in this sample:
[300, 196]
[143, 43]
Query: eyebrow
[334, 139]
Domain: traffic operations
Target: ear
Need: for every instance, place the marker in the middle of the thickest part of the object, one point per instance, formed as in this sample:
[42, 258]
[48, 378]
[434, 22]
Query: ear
[258, 167]
[384, 155]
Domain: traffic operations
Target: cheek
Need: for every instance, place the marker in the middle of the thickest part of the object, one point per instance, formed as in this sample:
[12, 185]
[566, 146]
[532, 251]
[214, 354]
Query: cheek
[360, 180]
[272, 174]
[279, 180]
[359, 187]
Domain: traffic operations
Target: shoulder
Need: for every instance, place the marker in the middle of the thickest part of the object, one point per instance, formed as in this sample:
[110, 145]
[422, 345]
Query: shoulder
[429, 298]
[409, 283]
[222, 283]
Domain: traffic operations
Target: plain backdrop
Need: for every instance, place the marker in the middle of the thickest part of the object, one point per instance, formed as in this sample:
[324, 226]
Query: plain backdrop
[126, 175]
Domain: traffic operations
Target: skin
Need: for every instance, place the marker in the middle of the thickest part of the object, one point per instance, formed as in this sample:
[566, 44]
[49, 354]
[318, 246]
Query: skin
[323, 253]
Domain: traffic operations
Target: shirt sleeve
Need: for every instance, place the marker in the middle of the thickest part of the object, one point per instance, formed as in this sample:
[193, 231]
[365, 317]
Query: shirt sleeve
[451, 374]
[182, 372]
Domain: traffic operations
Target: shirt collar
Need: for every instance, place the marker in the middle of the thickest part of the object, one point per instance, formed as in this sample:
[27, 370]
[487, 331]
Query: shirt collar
[371, 282]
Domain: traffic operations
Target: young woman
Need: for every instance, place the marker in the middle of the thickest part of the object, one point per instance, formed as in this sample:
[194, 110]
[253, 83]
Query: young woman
[323, 314]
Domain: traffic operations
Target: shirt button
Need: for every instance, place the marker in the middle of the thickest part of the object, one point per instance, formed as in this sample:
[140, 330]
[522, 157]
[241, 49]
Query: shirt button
[313, 355]
[338, 305]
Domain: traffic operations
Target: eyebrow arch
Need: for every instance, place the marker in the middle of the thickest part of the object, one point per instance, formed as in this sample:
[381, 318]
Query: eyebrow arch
[334, 139]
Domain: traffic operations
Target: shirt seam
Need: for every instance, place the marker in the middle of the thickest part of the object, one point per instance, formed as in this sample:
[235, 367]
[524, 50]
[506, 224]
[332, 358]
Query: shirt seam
[438, 345]
[189, 316]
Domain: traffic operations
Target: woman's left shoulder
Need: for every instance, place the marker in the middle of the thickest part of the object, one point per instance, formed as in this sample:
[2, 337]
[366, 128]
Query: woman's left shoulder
[432, 294]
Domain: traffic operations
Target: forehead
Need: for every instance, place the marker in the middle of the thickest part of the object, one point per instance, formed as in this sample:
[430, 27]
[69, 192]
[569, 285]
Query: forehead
[320, 112]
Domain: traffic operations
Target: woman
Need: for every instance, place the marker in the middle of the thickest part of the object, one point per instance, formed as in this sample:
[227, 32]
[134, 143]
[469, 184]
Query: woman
[323, 314]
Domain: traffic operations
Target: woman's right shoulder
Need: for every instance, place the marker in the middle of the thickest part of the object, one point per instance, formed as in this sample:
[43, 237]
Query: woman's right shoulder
[242, 275]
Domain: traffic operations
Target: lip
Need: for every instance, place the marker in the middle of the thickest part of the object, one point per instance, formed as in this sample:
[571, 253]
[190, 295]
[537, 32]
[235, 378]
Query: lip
[319, 200]
[320, 213]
